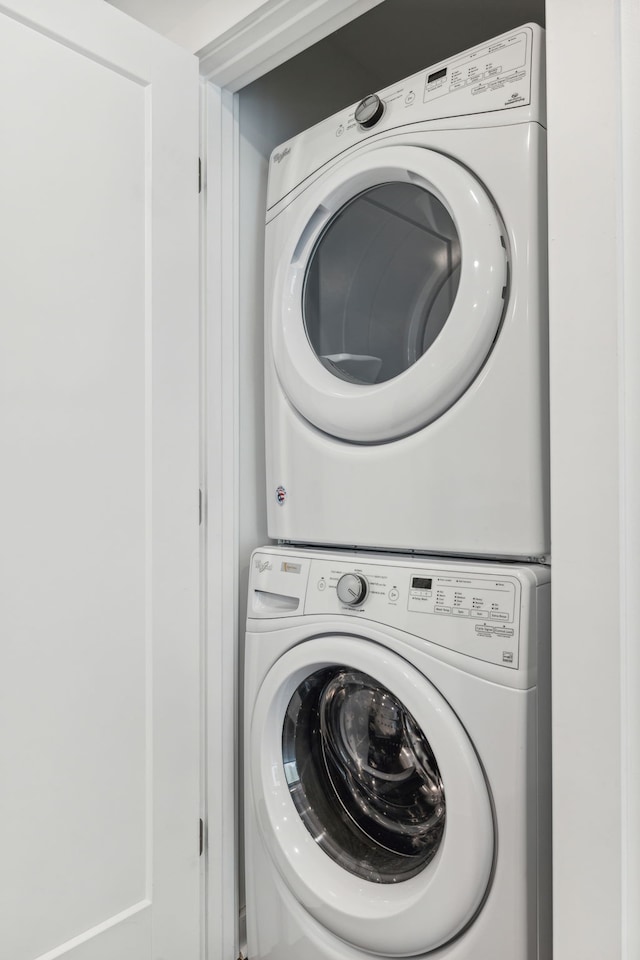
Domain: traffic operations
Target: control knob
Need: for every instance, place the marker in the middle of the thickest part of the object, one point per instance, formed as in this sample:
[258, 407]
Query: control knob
[369, 111]
[352, 589]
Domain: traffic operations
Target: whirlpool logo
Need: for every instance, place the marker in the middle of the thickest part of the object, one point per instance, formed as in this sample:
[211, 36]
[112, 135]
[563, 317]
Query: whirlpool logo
[262, 565]
[279, 157]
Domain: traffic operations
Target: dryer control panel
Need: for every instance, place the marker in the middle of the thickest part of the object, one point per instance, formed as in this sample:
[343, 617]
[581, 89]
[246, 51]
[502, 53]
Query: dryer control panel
[498, 82]
[479, 609]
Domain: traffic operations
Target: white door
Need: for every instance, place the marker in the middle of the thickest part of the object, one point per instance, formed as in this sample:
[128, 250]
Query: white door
[389, 291]
[369, 793]
[99, 646]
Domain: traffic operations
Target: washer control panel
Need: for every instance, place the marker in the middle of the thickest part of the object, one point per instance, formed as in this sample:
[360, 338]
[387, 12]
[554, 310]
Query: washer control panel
[487, 610]
[477, 599]
[478, 615]
[481, 609]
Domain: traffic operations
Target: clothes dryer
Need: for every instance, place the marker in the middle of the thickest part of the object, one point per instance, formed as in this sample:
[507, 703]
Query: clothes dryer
[397, 758]
[406, 315]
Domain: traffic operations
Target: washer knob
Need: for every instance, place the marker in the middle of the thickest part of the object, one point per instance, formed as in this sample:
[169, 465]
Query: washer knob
[369, 111]
[352, 589]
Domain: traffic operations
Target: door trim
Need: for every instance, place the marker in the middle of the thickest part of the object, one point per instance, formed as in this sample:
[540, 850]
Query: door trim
[220, 527]
[274, 32]
[250, 48]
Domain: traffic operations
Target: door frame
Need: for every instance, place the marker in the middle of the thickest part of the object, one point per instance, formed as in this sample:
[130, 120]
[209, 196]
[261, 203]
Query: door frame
[595, 498]
[270, 36]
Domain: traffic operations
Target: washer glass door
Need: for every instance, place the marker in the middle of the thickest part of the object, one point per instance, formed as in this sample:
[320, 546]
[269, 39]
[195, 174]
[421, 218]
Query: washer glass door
[369, 796]
[363, 776]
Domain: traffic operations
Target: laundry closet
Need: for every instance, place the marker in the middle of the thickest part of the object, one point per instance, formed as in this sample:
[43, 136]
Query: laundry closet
[366, 55]
[571, 32]
[103, 812]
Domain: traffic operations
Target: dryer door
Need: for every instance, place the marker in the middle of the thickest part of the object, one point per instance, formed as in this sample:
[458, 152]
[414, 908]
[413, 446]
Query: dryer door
[389, 292]
[370, 796]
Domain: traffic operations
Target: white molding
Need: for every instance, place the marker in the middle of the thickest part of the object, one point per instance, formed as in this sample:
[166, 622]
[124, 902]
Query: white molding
[221, 514]
[204, 566]
[221, 418]
[630, 475]
[273, 33]
[248, 49]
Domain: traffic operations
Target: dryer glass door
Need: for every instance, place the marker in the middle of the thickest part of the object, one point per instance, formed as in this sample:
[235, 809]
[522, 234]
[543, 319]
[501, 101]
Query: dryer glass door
[381, 282]
[388, 294]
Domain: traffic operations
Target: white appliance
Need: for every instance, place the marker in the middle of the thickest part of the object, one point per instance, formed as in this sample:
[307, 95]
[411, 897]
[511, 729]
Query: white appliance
[406, 315]
[397, 761]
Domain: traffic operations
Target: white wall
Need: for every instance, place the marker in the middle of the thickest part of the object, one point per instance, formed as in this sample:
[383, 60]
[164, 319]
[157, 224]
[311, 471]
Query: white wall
[190, 23]
[630, 413]
[212, 19]
[594, 548]
[163, 16]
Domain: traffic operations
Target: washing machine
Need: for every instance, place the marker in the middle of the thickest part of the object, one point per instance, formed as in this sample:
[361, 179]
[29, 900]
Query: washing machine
[406, 315]
[397, 758]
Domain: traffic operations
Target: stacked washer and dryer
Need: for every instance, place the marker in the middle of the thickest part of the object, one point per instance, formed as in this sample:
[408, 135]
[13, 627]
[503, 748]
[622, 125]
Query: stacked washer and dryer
[397, 709]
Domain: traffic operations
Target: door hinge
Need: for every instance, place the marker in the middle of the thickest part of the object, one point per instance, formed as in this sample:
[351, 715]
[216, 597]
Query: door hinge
[201, 836]
[199, 508]
[199, 175]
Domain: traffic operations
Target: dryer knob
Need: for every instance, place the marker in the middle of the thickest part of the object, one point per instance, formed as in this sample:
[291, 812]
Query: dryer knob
[352, 589]
[369, 111]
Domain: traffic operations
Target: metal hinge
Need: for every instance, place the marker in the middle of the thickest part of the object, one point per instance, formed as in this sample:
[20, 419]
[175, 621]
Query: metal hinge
[201, 836]
[199, 175]
[199, 508]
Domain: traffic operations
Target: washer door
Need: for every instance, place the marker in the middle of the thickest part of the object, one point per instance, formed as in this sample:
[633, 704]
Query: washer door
[389, 293]
[370, 796]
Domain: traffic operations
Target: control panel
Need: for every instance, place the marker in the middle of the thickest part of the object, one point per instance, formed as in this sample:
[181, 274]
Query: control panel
[479, 612]
[463, 597]
[476, 615]
[499, 75]
[499, 64]
[496, 76]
